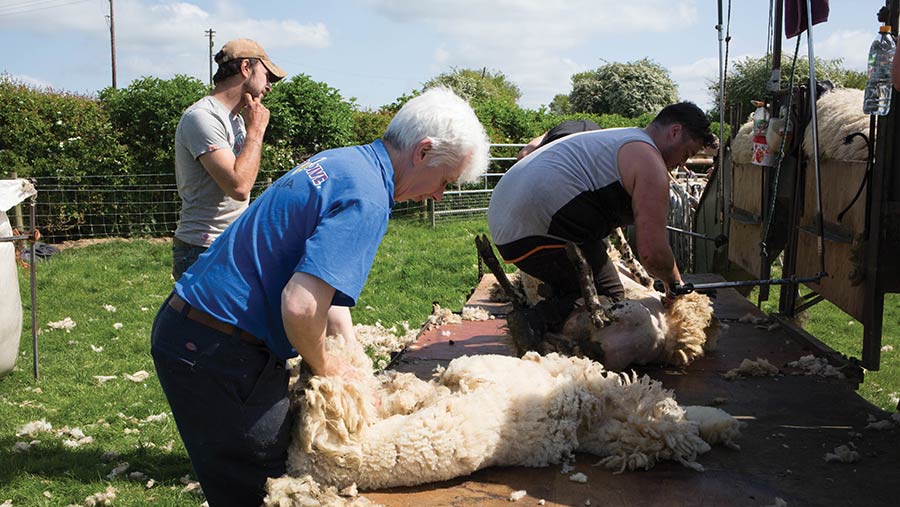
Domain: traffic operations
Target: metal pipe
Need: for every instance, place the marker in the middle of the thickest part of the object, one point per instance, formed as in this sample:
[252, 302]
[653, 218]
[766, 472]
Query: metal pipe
[820, 223]
[719, 240]
[774, 84]
[32, 264]
[721, 186]
[699, 287]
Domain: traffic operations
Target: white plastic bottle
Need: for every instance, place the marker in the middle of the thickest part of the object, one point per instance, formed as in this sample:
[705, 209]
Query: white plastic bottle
[877, 98]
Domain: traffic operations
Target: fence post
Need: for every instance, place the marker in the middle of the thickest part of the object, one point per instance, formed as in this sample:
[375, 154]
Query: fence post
[20, 223]
[431, 211]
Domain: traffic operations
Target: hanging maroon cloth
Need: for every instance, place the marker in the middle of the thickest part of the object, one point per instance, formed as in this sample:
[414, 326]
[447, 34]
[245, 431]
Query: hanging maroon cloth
[795, 15]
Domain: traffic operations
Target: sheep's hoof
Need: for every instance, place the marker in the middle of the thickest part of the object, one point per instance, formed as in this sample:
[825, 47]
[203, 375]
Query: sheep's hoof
[526, 327]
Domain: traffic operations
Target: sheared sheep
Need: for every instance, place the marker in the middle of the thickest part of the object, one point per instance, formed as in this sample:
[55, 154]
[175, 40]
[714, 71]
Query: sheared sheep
[482, 411]
[641, 330]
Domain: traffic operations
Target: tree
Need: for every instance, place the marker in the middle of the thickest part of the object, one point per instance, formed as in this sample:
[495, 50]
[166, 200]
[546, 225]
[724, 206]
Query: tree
[747, 80]
[560, 105]
[627, 89]
[478, 86]
[146, 114]
[308, 116]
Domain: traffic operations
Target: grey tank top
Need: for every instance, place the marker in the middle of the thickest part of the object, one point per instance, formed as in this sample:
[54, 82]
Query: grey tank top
[568, 190]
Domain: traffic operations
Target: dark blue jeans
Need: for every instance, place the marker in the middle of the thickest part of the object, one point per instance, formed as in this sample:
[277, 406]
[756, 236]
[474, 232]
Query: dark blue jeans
[230, 402]
[183, 256]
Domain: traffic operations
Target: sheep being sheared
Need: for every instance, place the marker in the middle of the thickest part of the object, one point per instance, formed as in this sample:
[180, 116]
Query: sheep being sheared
[638, 330]
[641, 331]
[481, 411]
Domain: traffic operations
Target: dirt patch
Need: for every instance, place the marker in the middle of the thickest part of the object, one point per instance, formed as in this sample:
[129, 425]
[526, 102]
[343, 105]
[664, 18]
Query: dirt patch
[81, 243]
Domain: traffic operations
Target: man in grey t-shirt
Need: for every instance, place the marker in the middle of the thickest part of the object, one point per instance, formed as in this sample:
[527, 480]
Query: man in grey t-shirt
[580, 188]
[217, 149]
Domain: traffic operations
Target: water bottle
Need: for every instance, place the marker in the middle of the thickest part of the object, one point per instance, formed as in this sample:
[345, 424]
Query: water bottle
[877, 98]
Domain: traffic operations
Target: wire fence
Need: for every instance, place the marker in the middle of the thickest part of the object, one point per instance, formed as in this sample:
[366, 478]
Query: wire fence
[140, 205]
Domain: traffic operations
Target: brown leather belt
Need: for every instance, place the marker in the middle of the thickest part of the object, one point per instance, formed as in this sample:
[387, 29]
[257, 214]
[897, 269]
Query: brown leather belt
[211, 322]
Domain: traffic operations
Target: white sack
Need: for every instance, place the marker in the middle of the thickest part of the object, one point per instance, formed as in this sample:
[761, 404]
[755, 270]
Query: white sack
[12, 192]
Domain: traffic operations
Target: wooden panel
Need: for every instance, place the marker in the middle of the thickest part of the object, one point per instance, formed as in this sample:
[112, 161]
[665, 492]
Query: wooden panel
[748, 187]
[743, 246]
[836, 286]
[840, 181]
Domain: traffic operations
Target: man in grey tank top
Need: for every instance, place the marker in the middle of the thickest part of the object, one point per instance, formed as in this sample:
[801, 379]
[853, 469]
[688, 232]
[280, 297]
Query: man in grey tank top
[579, 188]
[217, 149]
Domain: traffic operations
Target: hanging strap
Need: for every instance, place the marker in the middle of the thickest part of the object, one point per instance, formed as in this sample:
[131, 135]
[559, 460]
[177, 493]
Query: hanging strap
[770, 213]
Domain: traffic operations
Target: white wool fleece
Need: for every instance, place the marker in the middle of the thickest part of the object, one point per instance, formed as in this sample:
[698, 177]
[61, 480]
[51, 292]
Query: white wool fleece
[483, 411]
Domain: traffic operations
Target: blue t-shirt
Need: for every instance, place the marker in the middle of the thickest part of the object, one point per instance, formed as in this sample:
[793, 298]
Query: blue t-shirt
[325, 217]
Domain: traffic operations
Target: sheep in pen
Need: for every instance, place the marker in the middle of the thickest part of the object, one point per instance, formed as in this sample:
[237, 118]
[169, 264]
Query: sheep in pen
[394, 429]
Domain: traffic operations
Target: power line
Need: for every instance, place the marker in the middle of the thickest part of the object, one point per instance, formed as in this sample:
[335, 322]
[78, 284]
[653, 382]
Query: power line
[25, 8]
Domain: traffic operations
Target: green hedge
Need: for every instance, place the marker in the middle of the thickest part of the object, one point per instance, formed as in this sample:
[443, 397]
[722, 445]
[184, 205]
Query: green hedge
[103, 161]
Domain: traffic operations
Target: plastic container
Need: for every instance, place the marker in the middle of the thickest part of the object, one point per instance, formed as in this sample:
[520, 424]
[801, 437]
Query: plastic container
[762, 154]
[877, 99]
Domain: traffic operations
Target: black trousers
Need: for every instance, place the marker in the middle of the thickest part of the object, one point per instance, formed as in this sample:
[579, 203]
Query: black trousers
[230, 402]
[553, 267]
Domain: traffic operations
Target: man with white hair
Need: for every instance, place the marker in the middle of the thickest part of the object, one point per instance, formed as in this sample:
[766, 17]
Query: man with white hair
[282, 277]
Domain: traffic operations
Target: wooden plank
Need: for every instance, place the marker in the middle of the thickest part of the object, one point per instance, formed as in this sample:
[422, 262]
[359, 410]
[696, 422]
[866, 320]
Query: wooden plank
[748, 181]
[840, 181]
[836, 287]
[743, 246]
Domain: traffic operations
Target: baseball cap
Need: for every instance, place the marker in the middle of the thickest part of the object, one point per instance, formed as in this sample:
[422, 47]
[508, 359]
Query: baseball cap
[248, 48]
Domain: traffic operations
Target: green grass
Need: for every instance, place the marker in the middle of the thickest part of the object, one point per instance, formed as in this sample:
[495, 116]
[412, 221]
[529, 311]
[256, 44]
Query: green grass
[416, 265]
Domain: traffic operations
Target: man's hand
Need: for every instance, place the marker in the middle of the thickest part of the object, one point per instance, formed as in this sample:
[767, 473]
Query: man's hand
[255, 114]
[671, 295]
[333, 366]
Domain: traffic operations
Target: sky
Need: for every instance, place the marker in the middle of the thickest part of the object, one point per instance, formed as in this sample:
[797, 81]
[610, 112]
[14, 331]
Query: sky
[377, 50]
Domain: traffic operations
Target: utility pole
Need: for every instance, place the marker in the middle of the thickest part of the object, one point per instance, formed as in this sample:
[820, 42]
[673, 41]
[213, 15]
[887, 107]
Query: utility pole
[112, 41]
[210, 34]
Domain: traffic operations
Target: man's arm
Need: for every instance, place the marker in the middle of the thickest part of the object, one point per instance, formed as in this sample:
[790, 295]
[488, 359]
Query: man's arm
[236, 175]
[895, 73]
[340, 322]
[531, 146]
[646, 179]
[305, 307]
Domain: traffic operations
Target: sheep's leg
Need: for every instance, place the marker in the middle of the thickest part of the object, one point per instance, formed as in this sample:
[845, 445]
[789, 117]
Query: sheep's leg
[526, 326]
[599, 316]
[486, 252]
[620, 242]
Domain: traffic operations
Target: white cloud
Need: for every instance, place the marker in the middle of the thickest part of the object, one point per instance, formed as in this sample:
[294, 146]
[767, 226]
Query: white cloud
[852, 46]
[570, 18]
[528, 39]
[693, 80]
[165, 38]
[82, 17]
[441, 55]
[32, 82]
